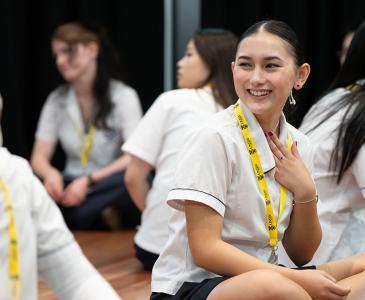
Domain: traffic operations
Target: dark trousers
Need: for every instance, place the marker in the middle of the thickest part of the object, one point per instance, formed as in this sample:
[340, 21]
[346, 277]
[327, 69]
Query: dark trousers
[109, 192]
[147, 258]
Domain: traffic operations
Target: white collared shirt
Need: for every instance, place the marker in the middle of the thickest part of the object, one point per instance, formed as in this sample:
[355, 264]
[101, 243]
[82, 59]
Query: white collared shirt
[337, 201]
[214, 168]
[157, 140]
[45, 244]
[61, 120]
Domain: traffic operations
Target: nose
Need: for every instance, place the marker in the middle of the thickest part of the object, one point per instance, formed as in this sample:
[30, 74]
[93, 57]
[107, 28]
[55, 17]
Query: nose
[258, 76]
[180, 63]
[61, 59]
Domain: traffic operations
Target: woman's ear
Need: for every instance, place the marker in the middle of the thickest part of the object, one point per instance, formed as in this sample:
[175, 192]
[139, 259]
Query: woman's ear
[232, 65]
[303, 74]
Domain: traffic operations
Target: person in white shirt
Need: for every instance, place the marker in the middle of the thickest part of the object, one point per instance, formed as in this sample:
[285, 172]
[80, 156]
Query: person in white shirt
[91, 116]
[205, 88]
[242, 184]
[336, 127]
[34, 240]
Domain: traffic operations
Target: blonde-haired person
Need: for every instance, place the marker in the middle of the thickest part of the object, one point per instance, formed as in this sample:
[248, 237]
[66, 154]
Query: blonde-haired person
[91, 116]
[206, 87]
[34, 240]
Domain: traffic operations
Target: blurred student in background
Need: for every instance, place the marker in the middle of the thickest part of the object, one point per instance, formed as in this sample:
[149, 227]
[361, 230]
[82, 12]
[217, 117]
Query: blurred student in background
[34, 239]
[91, 116]
[206, 86]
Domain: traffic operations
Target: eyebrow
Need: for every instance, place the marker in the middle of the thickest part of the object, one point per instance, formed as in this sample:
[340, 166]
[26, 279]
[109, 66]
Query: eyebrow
[265, 58]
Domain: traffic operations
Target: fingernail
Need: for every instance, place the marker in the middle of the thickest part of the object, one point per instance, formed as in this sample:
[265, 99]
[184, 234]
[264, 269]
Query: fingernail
[270, 133]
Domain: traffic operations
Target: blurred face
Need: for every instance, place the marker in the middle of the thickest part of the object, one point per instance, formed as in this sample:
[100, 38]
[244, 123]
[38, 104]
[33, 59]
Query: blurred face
[345, 46]
[265, 72]
[74, 61]
[192, 72]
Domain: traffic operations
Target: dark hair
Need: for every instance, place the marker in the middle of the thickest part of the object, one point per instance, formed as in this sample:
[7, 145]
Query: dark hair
[107, 61]
[351, 131]
[217, 48]
[283, 31]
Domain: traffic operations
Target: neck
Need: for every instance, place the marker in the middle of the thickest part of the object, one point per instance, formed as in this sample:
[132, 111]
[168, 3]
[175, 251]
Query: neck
[269, 124]
[83, 85]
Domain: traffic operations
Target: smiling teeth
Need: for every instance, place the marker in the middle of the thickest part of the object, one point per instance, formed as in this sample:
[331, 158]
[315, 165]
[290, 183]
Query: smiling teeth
[259, 93]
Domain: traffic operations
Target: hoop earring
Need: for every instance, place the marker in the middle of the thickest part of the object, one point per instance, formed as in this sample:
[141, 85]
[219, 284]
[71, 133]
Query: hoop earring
[291, 99]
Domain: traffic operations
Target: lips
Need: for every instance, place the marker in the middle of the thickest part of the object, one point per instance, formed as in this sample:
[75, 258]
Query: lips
[259, 93]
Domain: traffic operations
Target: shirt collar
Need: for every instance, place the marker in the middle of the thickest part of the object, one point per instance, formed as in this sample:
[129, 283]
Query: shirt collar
[265, 154]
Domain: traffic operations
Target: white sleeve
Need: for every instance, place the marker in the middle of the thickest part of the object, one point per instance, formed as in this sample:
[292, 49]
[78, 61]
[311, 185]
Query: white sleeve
[72, 277]
[203, 172]
[61, 262]
[147, 139]
[128, 110]
[47, 123]
[358, 169]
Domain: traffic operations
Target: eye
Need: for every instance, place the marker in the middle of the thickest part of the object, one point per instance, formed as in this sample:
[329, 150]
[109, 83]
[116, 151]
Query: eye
[272, 66]
[188, 54]
[244, 65]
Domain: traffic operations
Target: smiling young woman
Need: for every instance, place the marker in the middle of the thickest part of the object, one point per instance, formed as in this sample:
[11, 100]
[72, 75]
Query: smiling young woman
[242, 184]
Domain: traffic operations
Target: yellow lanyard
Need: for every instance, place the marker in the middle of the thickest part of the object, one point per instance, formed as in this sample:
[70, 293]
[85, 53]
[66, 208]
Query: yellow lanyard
[271, 222]
[86, 147]
[14, 270]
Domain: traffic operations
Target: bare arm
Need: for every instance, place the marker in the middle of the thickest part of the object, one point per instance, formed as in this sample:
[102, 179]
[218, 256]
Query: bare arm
[119, 164]
[40, 162]
[217, 256]
[76, 191]
[136, 181]
[211, 252]
[41, 157]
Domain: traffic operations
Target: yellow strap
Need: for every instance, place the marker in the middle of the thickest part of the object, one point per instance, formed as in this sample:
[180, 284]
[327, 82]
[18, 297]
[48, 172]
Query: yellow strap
[86, 147]
[353, 87]
[271, 222]
[14, 270]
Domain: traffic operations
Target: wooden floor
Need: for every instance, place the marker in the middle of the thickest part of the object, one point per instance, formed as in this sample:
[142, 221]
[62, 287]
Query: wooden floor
[112, 253]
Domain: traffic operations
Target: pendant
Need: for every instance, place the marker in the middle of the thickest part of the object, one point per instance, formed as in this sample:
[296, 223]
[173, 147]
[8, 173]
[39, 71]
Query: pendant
[273, 259]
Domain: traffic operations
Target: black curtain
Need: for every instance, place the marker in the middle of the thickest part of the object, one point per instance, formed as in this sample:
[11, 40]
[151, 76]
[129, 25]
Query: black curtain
[28, 74]
[320, 25]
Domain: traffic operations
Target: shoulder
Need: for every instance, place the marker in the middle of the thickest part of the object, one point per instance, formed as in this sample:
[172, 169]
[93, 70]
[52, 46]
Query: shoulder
[13, 167]
[60, 92]
[220, 126]
[119, 87]
[181, 96]
[58, 96]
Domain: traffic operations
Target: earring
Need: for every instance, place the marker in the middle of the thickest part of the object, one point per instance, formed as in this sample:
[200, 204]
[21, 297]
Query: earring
[291, 99]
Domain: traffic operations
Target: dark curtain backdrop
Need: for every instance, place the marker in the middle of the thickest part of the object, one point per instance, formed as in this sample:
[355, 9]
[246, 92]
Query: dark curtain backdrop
[136, 28]
[320, 25]
[28, 74]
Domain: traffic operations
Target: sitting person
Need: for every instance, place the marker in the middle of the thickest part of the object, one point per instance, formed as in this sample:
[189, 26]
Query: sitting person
[242, 184]
[336, 127]
[35, 240]
[91, 116]
[205, 88]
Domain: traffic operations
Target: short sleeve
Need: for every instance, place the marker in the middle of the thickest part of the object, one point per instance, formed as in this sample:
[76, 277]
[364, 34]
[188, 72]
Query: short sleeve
[357, 169]
[203, 172]
[146, 140]
[128, 109]
[47, 123]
